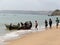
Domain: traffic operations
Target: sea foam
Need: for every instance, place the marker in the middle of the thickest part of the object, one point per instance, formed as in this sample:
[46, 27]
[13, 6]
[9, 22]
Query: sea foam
[16, 34]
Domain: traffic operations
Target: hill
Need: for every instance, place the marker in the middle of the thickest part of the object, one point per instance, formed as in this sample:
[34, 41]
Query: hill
[55, 12]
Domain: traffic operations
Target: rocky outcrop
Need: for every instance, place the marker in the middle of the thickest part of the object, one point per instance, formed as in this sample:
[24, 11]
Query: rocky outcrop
[56, 12]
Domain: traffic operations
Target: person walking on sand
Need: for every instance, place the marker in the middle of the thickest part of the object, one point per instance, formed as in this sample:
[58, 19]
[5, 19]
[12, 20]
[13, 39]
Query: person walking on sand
[57, 22]
[36, 24]
[46, 23]
[50, 22]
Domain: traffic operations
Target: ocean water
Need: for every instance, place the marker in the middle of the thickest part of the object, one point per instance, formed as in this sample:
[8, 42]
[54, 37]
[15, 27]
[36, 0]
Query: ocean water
[7, 18]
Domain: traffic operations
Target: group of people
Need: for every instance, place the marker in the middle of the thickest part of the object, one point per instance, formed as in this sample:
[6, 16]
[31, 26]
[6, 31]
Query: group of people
[26, 24]
[48, 23]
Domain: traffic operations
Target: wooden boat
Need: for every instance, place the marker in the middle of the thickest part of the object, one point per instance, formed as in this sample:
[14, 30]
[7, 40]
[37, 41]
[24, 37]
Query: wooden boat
[11, 27]
[26, 25]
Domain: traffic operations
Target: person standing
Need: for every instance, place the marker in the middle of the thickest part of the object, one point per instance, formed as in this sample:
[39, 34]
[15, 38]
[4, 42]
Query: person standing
[57, 22]
[46, 23]
[50, 22]
[36, 25]
[10, 28]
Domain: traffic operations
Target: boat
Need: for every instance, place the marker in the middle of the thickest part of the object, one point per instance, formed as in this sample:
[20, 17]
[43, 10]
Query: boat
[26, 25]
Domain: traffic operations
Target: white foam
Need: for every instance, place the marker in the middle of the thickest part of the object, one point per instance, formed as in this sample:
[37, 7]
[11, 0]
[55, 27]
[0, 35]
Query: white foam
[17, 34]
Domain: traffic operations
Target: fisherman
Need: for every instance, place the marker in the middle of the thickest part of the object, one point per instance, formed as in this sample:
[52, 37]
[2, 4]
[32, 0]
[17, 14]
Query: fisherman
[50, 22]
[36, 25]
[46, 23]
[10, 26]
[57, 22]
[18, 25]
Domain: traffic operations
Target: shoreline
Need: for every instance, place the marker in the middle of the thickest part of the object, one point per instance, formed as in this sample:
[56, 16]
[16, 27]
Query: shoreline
[47, 33]
[19, 34]
[47, 37]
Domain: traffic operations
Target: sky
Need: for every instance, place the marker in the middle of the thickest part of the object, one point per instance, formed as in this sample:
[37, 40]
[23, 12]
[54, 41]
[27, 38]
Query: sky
[35, 5]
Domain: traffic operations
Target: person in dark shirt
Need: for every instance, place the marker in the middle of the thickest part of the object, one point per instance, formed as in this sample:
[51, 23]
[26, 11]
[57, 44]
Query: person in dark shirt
[36, 24]
[57, 22]
[50, 22]
[21, 24]
[46, 23]
[10, 28]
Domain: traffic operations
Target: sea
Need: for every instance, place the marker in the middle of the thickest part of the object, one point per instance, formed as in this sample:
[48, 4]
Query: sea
[7, 18]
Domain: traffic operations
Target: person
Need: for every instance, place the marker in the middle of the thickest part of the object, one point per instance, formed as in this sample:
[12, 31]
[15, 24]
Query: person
[50, 22]
[10, 26]
[57, 22]
[18, 25]
[30, 23]
[46, 23]
[36, 25]
[22, 24]
[26, 25]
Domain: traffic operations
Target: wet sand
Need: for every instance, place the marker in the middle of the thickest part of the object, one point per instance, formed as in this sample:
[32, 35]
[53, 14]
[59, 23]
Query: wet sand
[47, 37]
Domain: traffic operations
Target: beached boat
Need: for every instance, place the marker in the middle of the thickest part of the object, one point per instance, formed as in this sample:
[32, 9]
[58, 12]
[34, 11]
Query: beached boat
[26, 25]
[11, 27]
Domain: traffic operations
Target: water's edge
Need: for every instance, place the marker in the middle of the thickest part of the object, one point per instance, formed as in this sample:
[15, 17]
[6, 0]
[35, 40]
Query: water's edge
[18, 34]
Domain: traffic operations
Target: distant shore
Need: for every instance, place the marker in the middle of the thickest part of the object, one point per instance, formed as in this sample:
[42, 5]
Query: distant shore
[26, 12]
[47, 37]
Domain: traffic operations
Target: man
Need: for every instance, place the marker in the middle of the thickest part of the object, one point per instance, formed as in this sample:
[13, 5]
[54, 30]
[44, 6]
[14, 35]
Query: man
[57, 22]
[46, 23]
[36, 24]
[50, 22]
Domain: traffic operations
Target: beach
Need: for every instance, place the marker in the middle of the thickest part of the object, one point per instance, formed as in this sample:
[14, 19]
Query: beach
[46, 37]
[8, 36]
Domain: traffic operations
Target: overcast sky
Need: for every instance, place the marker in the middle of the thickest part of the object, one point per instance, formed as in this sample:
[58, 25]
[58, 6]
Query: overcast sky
[29, 4]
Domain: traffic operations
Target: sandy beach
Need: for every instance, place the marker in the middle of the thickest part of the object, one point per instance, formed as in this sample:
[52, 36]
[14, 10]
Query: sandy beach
[47, 37]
